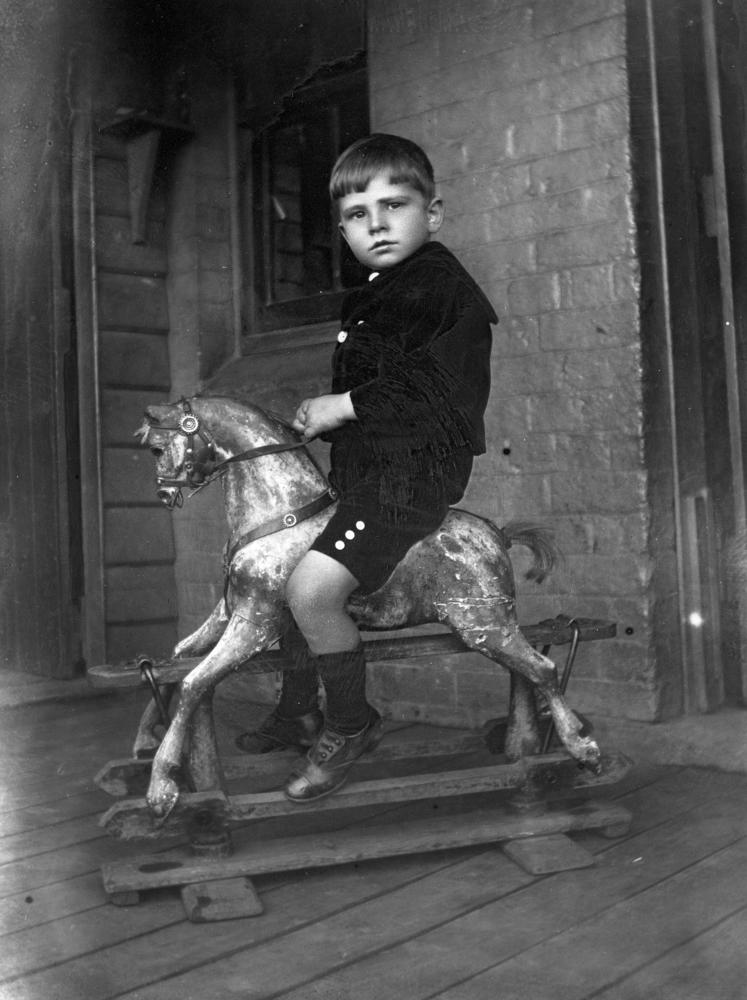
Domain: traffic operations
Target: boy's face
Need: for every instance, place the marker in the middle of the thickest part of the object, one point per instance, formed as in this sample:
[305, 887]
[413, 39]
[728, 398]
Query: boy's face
[387, 222]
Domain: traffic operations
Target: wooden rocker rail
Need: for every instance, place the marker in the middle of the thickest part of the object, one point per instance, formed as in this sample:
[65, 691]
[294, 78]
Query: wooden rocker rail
[552, 632]
[546, 774]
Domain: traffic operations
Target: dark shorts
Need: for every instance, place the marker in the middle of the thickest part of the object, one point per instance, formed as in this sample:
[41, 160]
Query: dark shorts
[369, 539]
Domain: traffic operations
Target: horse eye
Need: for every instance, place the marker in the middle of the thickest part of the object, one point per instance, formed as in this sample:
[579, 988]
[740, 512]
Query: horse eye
[156, 452]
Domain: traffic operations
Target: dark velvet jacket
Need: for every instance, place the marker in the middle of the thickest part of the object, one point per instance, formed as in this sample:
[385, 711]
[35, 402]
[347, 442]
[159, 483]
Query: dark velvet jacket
[416, 359]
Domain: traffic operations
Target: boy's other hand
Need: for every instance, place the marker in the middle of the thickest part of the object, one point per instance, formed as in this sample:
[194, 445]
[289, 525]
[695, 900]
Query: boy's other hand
[323, 413]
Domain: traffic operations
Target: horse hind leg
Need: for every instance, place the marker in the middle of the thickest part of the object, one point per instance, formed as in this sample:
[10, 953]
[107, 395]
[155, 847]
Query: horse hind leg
[475, 622]
[514, 652]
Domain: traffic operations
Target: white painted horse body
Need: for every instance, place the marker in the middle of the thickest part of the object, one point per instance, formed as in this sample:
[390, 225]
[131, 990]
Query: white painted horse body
[460, 575]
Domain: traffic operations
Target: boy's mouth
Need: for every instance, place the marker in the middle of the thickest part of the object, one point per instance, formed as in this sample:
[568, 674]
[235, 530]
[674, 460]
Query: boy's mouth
[382, 244]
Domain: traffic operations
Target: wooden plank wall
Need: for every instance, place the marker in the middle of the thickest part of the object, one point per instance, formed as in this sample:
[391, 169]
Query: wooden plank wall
[133, 322]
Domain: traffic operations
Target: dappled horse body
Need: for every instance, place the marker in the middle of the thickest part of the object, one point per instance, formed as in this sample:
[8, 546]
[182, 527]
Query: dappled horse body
[277, 501]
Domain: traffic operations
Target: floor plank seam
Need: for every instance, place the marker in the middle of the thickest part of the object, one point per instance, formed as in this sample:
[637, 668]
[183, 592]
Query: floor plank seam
[95, 871]
[52, 827]
[655, 826]
[667, 951]
[404, 940]
[40, 970]
[592, 917]
[45, 923]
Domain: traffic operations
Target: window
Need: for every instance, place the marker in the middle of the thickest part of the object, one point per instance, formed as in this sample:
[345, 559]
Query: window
[302, 265]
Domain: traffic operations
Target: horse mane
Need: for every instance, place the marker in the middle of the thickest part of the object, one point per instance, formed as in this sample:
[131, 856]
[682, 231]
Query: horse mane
[243, 399]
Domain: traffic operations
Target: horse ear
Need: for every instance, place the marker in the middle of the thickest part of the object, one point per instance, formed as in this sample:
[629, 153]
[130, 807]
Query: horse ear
[156, 413]
[151, 418]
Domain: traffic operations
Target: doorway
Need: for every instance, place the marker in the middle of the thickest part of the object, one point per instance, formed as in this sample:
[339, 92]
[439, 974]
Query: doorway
[687, 122]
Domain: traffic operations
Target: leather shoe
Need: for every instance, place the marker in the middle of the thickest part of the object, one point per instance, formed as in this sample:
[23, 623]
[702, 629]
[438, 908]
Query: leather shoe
[329, 761]
[277, 733]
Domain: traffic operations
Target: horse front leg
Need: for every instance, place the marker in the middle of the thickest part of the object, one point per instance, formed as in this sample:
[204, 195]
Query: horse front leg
[241, 639]
[206, 636]
[203, 639]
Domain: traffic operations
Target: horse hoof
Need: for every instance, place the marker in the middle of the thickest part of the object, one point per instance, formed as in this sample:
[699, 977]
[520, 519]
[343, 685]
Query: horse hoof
[161, 802]
[591, 756]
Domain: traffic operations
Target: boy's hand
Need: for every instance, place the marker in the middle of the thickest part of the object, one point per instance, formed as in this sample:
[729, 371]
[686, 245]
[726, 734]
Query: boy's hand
[323, 413]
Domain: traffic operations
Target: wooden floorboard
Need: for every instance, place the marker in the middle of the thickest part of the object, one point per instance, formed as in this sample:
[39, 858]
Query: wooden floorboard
[658, 916]
[616, 941]
[716, 957]
[49, 813]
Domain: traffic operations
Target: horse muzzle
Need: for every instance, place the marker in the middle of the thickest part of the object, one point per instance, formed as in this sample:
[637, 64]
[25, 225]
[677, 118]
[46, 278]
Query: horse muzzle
[170, 496]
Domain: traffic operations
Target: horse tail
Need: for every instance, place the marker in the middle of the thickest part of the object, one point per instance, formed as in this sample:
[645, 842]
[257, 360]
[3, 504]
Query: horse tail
[541, 543]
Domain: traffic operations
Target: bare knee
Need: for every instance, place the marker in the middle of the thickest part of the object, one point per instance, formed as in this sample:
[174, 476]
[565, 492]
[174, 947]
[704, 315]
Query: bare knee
[317, 593]
[318, 580]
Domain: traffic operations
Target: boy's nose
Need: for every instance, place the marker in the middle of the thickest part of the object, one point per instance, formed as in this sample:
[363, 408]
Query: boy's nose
[378, 221]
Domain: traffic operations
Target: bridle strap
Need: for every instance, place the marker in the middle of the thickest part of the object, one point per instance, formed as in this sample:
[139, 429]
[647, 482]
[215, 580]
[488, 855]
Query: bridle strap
[264, 449]
[287, 520]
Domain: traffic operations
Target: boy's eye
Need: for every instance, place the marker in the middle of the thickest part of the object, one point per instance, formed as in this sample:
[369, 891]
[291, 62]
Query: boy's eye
[395, 204]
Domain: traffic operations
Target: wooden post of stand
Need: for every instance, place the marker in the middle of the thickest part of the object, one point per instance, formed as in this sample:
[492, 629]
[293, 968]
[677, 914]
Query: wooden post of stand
[209, 836]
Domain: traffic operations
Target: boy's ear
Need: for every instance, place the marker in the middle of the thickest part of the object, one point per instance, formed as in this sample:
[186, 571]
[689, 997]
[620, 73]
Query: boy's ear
[341, 227]
[435, 212]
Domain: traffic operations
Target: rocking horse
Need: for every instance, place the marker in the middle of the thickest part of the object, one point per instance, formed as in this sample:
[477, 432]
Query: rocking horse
[277, 500]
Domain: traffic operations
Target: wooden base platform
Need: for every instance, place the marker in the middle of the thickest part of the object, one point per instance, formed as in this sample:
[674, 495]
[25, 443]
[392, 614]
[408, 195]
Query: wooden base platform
[532, 800]
[124, 881]
[535, 798]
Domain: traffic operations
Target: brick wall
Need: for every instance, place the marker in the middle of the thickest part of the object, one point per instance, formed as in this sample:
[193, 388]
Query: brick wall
[523, 107]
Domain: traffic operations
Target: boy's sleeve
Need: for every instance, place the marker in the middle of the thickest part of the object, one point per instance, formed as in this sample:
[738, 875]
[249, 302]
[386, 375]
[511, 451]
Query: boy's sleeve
[434, 379]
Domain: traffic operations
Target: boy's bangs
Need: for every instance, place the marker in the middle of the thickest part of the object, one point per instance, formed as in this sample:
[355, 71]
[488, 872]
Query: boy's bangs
[355, 175]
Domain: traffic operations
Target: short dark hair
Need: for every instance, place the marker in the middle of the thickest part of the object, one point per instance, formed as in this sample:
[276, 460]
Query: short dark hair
[402, 159]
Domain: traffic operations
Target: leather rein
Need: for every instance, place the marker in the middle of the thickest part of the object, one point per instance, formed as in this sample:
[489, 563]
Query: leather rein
[201, 468]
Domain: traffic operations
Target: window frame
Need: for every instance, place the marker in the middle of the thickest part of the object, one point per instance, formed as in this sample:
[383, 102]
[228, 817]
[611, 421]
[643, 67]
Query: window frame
[273, 315]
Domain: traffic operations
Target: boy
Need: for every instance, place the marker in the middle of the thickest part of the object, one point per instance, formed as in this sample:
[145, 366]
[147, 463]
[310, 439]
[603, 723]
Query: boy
[411, 376]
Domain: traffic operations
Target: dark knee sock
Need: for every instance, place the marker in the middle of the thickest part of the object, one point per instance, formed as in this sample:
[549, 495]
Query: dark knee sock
[344, 678]
[299, 694]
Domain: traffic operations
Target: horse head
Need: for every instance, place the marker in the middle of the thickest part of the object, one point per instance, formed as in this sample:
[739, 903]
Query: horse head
[183, 447]
[196, 440]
